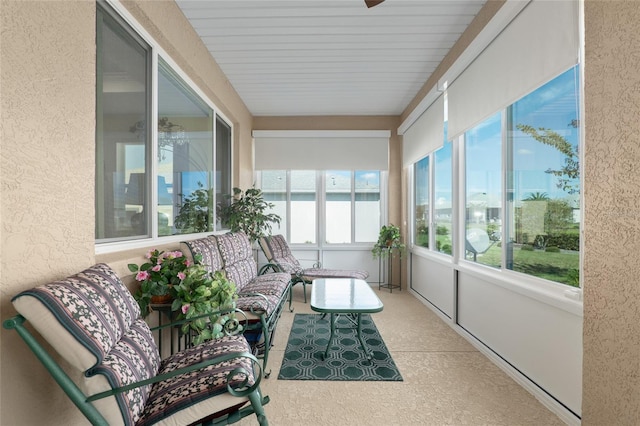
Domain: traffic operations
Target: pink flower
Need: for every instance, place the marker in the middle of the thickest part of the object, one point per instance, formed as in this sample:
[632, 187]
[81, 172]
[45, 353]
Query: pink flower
[177, 253]
[142, 275]
[149, 254]
[156, 268]
[188, 263]
[181, 275]
[185, 308]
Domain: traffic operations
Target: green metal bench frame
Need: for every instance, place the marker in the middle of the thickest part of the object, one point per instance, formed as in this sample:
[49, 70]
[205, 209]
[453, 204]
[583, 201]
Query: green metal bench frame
[83, 402]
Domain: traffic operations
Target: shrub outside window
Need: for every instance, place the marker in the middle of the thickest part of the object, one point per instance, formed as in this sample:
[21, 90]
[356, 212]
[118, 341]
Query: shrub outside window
[545, 182]
[483, 192]
[421, 203]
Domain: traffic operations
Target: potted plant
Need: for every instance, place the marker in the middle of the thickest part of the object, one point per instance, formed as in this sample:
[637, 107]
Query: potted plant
[389, 239]
[201, 295]
[195, 214]
[157, 276]
[247, 213]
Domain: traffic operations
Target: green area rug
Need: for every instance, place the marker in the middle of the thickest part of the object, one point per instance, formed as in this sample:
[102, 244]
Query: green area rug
[346, 361]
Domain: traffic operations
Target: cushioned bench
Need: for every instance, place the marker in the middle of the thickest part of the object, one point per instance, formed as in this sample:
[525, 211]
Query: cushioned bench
[280, 258]
[261, 297]
[94, 323]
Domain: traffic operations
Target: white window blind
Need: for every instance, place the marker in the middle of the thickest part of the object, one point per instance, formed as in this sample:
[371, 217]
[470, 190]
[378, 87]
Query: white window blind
[425, 135]
[321, 149]
[540, 43]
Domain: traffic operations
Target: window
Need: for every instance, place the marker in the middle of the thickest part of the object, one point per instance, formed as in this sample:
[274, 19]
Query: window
[350, 204]
[223, 166]
[274, 190]
[421, 203]
[483, 191]
[185, 157]
[544, 182]
[367, 206]
[443, 197]
[302, 221]
[123, 140]
[149, 183]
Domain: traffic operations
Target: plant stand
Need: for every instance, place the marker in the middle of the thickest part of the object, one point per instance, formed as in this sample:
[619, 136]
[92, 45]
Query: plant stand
[385, 264]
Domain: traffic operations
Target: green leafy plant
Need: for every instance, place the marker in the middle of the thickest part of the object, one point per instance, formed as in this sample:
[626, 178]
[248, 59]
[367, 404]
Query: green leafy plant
[196, 212]
[389, 239]
[201, 296]
[247, 213]
[158, 275]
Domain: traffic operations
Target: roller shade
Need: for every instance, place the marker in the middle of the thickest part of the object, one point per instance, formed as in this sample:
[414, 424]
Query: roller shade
[539, 44]
[425, 135]
[321, 150]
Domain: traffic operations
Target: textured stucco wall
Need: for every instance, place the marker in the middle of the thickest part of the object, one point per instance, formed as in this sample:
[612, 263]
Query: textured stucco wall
[611, 359]
[47, 103]
[47, 163]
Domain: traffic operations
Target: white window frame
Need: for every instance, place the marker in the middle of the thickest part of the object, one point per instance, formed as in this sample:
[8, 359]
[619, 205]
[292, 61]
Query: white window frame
[156, 52]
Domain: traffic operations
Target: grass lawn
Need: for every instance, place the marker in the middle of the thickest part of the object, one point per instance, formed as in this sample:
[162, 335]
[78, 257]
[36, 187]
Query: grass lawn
[560, 267]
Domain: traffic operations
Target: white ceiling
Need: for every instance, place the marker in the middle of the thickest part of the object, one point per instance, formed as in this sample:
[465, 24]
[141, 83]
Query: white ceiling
[328, 57]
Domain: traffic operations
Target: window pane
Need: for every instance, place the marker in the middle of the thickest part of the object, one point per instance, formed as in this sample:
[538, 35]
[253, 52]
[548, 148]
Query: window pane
[338, 206]
[367, 206]
[483, 192]
[303, 206]
[185, 158]
[443, 174]
[274, 189]
[122, 136]
[223, 166]
[544, 180]
[421, 202]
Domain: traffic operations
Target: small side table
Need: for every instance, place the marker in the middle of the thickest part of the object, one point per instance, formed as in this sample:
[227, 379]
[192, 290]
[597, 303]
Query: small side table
[387, 282]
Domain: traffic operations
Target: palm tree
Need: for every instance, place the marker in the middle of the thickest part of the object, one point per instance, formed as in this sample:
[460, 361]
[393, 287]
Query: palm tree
[537, 196]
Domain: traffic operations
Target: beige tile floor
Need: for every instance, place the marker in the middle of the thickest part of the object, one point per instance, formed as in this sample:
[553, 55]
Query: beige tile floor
[446, 380]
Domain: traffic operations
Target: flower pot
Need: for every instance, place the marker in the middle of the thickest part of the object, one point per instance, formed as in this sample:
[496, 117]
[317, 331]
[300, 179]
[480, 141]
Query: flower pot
[162, 299]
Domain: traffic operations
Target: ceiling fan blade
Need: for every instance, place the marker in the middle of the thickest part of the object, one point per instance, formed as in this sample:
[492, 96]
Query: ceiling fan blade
[371, 3]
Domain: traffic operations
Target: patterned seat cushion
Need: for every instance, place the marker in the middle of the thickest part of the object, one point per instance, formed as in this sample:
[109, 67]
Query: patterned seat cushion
[237, 257]
[274, 284]
[94, 323]
[313, 273]
[262, 304]
[134, 358]
[82, 316]
[195, 390]
[277, 251]
[208, 248]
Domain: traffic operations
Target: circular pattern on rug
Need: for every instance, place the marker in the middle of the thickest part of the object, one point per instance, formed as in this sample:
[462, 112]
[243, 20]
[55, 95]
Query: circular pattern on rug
[346, 361]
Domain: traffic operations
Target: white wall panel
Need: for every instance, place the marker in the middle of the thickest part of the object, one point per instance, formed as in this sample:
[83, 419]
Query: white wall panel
[544, 342]
[433, 281]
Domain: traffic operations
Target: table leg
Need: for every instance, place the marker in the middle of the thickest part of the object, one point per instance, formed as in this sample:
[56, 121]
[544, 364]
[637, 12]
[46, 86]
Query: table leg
[332, 321]
[366, 350]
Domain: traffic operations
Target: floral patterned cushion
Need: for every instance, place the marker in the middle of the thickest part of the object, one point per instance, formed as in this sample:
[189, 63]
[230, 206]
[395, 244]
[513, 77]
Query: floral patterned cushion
[257, 304]
[134, 358]
[269, 284]
[208, 248]
[313, 273]
[83, 316]
[237, 256]
[277, 251]
[194, 390]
